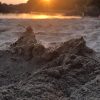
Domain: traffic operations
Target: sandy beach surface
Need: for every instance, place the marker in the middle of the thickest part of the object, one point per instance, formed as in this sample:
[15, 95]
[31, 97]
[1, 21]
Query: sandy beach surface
[63, 64]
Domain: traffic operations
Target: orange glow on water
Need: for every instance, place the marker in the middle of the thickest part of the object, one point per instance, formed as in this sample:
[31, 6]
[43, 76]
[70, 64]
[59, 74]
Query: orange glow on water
[37, 16]
[40, 17]
[52, 17]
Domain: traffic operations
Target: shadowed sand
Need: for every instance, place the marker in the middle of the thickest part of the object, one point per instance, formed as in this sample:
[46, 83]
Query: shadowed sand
[33, 72]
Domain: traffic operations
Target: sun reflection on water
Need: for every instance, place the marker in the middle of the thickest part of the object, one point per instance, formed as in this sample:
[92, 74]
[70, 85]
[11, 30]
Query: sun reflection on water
[52, 17]
[37, 16]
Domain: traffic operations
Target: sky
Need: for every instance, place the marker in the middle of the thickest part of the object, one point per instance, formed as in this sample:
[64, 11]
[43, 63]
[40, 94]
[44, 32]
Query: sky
[13, 1]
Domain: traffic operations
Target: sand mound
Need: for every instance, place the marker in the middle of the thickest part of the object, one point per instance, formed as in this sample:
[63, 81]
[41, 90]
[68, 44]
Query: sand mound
[70, 72]
[27, 45]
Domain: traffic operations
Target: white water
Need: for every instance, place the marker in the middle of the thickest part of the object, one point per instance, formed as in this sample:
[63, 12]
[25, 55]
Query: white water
[52, 31]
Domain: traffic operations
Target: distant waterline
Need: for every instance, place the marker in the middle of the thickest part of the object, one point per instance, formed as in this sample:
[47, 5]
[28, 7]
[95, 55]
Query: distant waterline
[36, 16]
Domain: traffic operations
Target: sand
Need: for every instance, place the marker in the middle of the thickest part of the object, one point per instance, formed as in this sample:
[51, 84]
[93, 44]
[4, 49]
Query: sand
[64, 64]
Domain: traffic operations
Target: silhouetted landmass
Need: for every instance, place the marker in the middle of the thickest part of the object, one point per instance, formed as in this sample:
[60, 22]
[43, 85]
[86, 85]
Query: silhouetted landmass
[70, 7]
[4, 8]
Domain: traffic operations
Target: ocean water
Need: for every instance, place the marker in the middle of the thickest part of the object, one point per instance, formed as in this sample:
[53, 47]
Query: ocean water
[51, 31]
[36, 16]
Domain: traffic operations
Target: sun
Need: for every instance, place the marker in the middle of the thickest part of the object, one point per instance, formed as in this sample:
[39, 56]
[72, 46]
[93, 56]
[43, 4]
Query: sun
[47, 1]
[47, 4]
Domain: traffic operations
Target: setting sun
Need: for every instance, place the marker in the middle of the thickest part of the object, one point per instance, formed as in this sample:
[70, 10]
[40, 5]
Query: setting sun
[46, 1]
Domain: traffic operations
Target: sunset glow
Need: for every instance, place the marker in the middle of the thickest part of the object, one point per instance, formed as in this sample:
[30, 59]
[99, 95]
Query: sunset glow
[37, 16]
[47, 2]
[40, 16]
[13, 1]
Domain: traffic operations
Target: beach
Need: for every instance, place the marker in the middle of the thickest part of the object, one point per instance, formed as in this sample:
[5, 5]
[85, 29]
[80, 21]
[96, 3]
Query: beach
[62, 64]
[51, 31]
